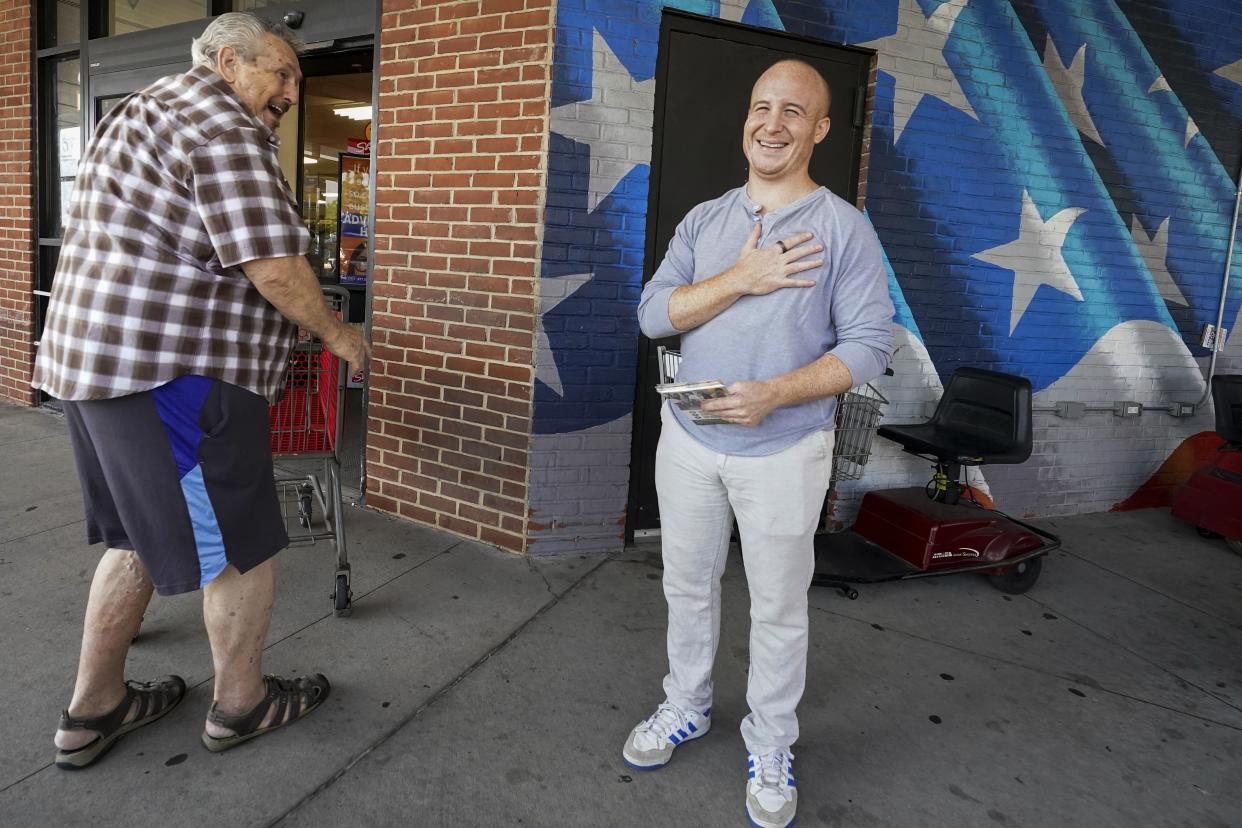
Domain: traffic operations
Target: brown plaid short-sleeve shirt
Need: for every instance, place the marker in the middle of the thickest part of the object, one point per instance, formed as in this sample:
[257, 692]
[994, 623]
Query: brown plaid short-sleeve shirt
[179, 186]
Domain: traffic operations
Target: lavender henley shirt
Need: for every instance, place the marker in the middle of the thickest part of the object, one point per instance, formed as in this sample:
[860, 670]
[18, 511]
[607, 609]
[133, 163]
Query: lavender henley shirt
[847, 313]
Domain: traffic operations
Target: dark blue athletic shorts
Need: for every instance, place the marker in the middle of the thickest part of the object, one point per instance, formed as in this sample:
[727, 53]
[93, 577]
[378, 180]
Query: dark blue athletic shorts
[182, 475]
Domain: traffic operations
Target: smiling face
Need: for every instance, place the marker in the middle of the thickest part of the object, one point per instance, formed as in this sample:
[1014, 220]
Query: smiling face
[268, 85]
[788, 117]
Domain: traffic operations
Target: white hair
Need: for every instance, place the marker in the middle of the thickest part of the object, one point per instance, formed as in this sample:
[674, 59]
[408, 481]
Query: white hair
[244, 32]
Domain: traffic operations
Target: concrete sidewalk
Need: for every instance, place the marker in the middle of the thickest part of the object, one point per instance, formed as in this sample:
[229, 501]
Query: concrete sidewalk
[472, 687]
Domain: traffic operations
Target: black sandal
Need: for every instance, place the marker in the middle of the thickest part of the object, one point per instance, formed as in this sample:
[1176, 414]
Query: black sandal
[298, 697]
[155, 699]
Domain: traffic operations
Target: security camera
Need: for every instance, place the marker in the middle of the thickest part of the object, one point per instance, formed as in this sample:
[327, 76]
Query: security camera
[293, 19]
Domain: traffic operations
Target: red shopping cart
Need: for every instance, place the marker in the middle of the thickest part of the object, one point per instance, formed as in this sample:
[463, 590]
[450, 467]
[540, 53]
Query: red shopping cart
[307, 423]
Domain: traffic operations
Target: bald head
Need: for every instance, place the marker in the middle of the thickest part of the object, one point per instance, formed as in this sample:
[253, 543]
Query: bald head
[818, 94]
[788, 116]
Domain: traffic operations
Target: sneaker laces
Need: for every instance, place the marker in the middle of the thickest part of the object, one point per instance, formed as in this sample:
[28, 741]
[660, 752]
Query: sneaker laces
[668, 718]
[773, 770]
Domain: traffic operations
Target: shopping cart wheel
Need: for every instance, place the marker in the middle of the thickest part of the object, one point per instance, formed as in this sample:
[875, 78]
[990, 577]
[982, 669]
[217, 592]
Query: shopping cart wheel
[305, 505]
[343, 596]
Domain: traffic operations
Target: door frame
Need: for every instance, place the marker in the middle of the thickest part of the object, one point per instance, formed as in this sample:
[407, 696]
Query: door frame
[645, 434]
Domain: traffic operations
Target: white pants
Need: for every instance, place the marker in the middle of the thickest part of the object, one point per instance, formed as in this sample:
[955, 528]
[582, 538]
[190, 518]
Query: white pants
[777, 501]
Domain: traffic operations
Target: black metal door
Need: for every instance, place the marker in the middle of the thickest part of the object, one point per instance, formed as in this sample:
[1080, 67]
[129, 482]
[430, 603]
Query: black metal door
[704, 75]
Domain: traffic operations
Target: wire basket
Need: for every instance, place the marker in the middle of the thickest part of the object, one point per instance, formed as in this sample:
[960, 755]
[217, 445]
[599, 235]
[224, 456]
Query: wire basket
[307, 419]
[669, 361]
[859, 411]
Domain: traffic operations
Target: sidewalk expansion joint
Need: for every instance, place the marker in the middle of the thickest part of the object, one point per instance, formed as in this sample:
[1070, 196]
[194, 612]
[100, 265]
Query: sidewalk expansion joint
[1150, 588]
[42, 531]
[1055, 675]
[25, 441]
[437, 695]
[1138, 655]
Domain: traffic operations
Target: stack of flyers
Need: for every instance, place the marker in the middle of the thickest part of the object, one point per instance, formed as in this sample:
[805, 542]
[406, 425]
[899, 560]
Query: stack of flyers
[689, 396]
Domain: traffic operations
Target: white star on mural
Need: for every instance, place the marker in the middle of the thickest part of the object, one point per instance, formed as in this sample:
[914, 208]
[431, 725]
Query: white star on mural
[1155, 250]
[922, 39]
[762, 10]
[605, 122]
[552, 291]
[733, 9]
[1231, 72]
[1035, 256]
[1068, 83]
[1192, 129]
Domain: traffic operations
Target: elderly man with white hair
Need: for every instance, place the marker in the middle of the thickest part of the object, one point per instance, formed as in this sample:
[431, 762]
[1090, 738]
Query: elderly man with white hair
[181, 276]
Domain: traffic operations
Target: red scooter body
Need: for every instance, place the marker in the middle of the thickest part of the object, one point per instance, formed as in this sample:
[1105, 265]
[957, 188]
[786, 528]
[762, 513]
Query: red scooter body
[930, 535]
[1212, 498]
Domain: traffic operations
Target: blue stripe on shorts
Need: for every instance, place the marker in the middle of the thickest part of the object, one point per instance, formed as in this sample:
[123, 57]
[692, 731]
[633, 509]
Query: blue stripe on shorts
[180, 405]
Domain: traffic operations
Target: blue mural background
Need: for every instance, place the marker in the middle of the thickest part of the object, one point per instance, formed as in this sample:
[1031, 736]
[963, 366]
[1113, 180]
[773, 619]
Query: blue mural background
[1036, 177]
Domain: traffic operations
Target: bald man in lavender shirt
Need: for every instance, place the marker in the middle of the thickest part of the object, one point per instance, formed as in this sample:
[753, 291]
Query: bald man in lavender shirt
[778, 289]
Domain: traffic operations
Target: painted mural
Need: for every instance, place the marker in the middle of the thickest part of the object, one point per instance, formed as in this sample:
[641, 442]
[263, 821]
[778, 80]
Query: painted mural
[1053, 184]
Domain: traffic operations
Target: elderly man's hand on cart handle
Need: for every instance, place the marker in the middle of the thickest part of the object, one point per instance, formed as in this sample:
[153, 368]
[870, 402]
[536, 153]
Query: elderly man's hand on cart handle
[350, 345]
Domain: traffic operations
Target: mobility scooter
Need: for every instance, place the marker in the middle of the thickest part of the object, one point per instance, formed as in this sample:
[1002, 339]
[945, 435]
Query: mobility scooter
[983, 417]
[1211, 500]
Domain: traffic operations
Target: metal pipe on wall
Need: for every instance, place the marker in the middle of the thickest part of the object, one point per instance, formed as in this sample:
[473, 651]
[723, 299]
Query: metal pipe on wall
[1175, 408]
[1224, 290]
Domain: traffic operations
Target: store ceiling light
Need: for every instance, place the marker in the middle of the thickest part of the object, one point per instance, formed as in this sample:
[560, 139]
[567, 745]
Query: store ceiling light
[309, 159]
[356, 113]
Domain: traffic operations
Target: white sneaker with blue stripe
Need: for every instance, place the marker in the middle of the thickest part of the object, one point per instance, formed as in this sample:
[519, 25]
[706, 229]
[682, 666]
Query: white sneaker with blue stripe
[771, 793]
[653, 740]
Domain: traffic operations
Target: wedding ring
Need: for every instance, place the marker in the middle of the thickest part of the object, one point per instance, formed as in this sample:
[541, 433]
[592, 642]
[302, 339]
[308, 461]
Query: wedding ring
[781, 245]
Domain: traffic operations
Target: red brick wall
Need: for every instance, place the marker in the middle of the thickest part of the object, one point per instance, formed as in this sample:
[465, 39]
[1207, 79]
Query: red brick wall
[460, 181]
[16, 216]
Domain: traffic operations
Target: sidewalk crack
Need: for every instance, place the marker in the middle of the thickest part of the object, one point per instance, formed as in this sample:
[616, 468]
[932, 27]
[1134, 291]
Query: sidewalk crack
[530, 564]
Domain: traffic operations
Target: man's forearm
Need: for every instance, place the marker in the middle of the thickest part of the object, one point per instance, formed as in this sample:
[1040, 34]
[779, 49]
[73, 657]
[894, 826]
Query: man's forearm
[757, 272]
[749, 402]
[693, 305]
[290, 285]
[825, 377]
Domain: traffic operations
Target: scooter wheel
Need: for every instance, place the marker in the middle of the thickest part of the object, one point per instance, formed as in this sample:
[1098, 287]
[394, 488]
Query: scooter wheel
[1235, 545]
[1020, 577]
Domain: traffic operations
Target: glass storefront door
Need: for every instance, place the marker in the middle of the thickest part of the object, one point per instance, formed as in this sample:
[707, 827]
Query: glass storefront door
[335, 188]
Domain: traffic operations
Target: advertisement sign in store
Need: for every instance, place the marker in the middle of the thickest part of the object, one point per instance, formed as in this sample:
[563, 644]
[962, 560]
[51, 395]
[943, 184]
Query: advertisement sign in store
[352, 247]
[354, 200]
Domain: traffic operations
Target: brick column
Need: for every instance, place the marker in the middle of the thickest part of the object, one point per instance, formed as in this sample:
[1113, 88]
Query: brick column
[16, 193]
[461, 167]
